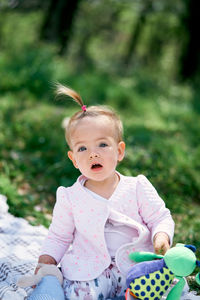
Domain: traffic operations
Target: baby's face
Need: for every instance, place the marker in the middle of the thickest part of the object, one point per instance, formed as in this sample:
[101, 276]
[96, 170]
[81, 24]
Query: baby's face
[95, 150]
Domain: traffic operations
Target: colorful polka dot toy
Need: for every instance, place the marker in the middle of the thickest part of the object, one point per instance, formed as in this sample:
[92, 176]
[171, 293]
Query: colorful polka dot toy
[153, 274]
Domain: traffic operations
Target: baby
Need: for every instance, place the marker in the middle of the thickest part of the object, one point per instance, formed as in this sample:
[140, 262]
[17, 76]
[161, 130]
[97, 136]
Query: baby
[104, 215]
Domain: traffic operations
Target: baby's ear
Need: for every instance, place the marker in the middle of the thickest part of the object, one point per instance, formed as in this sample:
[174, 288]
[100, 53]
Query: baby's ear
[72, 158]
[143, 256]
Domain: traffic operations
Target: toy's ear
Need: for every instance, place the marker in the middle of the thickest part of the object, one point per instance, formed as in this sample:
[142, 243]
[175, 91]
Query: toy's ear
[197, 278]
[143, 256]
[191, 247]
[198, 263]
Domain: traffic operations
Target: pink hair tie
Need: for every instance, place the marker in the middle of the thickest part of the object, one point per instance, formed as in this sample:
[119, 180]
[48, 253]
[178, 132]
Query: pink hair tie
[83, 108]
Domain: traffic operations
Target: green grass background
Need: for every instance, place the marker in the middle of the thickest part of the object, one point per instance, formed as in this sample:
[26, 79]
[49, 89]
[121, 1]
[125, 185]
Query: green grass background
[161, 122]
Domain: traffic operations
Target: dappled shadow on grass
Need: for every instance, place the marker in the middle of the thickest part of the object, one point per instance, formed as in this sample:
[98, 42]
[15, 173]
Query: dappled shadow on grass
[30, 69]
[194, 84]
[162, 156]
[187, 224]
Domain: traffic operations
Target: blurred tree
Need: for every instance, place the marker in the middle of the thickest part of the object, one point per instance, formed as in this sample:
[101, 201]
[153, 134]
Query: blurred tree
[58, 22]
[190, 58]
[23, 5]
[158, 34]
[146, 8]
[88, 30]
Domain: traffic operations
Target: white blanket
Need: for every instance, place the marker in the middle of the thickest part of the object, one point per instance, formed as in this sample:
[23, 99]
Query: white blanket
[19, 250]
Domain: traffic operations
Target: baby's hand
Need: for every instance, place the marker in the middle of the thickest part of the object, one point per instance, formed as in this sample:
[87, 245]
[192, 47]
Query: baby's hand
[44, 259]
[161, 243]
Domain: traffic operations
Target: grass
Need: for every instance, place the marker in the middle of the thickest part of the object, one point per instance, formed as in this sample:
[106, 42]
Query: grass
[161, 137]
[160, 116]
[161, 122]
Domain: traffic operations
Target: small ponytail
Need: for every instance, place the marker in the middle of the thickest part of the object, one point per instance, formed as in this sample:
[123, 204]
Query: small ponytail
[91, 111]
[63, 90]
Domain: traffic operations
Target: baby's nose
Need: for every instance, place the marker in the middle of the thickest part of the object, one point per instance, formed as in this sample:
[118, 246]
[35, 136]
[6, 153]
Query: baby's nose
[93, 154]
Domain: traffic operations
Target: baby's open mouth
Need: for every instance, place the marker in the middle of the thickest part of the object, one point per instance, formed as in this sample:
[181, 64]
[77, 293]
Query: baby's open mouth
[96, 166]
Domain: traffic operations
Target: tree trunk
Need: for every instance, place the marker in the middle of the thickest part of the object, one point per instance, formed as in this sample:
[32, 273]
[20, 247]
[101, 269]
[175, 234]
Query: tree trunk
[58, 23]
[136, 32]
[190, 59]
[48, 29]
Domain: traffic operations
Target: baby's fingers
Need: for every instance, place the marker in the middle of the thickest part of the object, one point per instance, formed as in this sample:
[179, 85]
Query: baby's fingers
[165, 247]
[161, 243]
[161, 247]
[158, 249]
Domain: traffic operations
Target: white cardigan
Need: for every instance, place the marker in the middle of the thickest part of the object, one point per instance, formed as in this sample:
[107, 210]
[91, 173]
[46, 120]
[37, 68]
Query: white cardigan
[76, 234]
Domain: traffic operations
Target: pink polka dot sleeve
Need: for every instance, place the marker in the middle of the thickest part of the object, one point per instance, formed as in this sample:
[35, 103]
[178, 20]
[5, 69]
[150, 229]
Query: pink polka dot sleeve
[61, 230]
[152, 209]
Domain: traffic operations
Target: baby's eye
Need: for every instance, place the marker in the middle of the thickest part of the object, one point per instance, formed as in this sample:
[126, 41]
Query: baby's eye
[103, 145]
[81, 149]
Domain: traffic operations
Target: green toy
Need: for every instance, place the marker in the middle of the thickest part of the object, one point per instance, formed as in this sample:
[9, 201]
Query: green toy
[153, 274]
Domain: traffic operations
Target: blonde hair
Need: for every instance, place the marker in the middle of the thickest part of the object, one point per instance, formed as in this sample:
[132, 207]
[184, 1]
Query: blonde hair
[91, 111]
